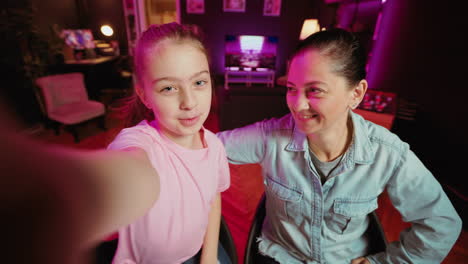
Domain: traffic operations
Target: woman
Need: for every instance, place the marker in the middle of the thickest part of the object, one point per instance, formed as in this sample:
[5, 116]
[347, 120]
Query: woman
[324, 167]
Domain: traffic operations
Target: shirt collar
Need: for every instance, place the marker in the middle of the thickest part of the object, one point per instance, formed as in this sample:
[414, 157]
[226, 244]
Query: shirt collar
[298, 141]
[360, 150]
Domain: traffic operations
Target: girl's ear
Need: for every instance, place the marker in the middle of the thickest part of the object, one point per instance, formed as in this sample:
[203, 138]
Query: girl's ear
[141, 94]
[358, 93]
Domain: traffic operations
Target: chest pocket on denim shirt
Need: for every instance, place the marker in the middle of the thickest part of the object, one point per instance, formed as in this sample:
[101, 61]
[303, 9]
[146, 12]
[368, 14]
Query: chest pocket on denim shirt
[348, 214]
[286, 200]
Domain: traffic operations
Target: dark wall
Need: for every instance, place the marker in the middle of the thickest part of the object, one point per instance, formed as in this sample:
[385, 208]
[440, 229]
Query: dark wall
[421, 55]
[360, 18]
[106, 12]
[76, 14]
[216, 24]
[49, 12]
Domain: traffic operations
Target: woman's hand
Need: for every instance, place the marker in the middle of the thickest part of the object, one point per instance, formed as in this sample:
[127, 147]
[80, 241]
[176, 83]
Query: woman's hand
[361, 260]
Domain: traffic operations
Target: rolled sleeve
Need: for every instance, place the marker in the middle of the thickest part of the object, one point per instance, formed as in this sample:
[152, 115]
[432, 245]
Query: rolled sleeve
[244, 145]
[420, 199]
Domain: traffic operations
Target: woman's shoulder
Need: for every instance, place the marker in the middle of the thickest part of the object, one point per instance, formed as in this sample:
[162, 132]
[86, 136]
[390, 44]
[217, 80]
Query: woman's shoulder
[378, 134]
[285, 122]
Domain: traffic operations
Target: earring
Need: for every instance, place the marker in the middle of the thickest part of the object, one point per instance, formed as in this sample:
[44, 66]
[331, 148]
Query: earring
[354, 106]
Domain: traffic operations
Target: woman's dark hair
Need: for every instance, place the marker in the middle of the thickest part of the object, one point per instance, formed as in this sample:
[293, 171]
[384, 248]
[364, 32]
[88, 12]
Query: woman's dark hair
[342, 48]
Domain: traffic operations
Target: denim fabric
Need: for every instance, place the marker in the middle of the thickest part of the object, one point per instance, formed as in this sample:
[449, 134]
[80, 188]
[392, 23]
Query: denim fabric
[308, 222]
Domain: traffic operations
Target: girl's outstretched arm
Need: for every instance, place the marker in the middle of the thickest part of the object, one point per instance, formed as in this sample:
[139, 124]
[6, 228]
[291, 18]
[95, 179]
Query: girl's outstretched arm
[210, 243]
[56, 202]
[125, 185]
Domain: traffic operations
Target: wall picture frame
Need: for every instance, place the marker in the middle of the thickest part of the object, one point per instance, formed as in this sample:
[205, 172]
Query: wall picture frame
[271, 7]
[195, 7]
[234, 5]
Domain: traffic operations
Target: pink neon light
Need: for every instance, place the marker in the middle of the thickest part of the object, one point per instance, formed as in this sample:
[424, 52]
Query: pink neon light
[251, 43]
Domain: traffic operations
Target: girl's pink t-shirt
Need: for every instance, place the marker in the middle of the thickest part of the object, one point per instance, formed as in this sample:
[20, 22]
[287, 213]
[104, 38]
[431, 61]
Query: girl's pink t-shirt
[172, 231]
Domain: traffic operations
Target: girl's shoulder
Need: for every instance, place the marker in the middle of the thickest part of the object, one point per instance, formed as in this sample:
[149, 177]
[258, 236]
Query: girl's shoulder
[142, 133]
[211, 139]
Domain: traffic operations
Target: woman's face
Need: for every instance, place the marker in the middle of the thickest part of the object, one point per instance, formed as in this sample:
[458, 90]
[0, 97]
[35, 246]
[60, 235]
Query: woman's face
[318, 98]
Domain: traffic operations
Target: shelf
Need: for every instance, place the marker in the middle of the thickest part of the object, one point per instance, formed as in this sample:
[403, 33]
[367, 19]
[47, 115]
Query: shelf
[249, 77]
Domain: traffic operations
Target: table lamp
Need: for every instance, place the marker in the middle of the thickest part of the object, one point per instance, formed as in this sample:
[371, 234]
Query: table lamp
[309, 27]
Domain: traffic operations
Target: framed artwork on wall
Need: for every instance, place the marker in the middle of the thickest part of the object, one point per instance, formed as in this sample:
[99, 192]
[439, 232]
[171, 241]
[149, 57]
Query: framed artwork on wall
[234, 5]
[271, 7]
[195, 6]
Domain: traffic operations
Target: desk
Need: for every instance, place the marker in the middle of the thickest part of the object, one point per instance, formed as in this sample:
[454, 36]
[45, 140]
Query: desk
[92, 61]
[249, 77]
[99, 73]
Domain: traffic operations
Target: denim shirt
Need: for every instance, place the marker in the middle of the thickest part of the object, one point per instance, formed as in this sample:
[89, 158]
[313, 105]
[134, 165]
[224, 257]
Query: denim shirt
[307, 222]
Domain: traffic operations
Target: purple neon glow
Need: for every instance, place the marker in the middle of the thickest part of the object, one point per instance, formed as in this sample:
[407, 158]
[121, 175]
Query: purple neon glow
[251, 43]
[252, 51]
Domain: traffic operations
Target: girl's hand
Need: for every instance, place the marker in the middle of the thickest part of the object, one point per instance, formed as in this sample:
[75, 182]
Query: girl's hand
[361, 260]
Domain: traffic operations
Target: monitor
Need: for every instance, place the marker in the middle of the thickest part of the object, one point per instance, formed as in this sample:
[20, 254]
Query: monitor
[250, 51]
[78, 38]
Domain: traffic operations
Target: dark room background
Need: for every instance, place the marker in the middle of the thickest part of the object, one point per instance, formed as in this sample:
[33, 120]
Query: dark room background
[420, 54]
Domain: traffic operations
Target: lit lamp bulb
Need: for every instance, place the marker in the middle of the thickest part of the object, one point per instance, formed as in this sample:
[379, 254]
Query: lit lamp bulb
[107, 30]
[309, 27]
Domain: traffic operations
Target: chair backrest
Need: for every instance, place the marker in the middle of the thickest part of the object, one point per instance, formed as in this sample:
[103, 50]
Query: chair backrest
[226, 240]
[62, 89]
[378, 242]
[251, 249]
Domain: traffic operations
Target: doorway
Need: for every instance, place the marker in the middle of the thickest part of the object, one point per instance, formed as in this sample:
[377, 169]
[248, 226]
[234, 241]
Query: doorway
[162, 11]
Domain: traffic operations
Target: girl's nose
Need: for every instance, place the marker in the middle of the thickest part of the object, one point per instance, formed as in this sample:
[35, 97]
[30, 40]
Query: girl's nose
[188, 100]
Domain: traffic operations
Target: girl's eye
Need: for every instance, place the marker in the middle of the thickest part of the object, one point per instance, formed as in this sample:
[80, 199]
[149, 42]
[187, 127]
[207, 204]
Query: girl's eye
[200, 83]
[167, 89]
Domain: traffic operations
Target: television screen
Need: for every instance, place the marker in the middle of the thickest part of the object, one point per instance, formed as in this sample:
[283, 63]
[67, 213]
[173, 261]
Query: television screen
[78, 38]
[248, 51]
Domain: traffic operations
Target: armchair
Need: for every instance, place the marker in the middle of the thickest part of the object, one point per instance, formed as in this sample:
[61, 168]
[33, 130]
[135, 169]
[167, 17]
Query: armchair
[66, 101]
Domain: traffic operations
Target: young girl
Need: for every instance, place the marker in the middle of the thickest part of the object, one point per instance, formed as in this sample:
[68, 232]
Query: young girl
[172, 101]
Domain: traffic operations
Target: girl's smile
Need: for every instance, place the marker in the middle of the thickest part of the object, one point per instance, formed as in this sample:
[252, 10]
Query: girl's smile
[188, 122]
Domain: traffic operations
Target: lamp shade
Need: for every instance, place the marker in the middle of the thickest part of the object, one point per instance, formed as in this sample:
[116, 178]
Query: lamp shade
[309, 27]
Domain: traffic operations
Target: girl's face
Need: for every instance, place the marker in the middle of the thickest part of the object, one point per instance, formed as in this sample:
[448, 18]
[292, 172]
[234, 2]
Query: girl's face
[318, 98]
[177, 87]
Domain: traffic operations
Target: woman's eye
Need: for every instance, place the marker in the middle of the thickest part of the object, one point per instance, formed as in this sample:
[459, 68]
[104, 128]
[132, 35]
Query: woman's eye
[291, 89]
[313, 91]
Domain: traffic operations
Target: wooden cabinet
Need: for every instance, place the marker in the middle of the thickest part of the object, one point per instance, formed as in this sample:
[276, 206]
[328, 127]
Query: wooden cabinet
[249, 77]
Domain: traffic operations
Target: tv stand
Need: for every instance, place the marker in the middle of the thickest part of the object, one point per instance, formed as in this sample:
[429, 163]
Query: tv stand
[249, 77]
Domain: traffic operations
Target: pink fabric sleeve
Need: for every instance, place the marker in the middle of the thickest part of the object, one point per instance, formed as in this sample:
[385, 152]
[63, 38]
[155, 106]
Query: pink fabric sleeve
[137, 136]
[224, 178]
